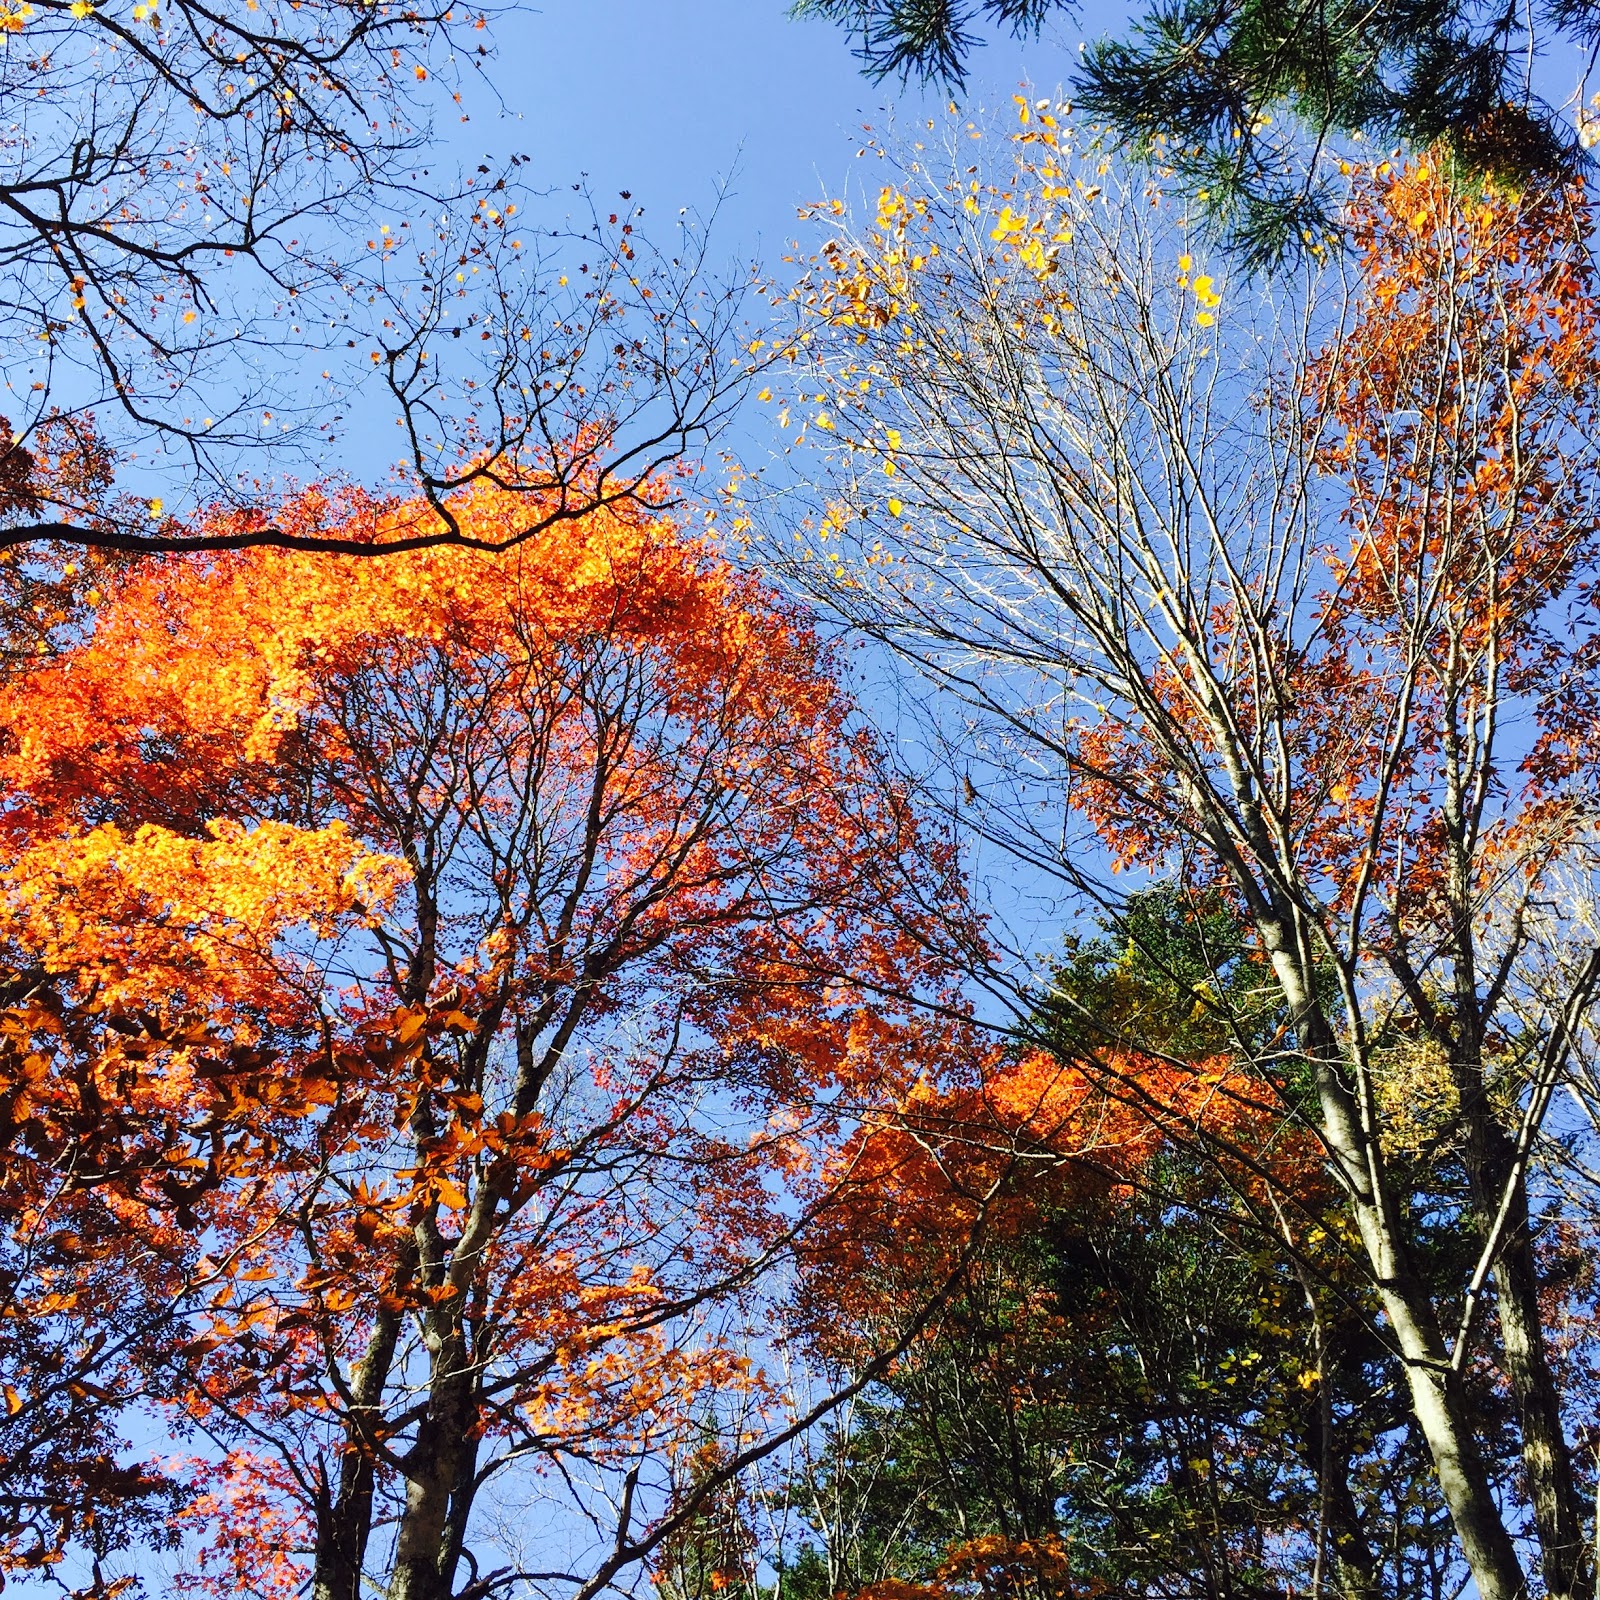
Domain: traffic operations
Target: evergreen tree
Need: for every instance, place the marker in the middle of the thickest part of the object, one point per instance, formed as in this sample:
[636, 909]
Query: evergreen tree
[1240, 99]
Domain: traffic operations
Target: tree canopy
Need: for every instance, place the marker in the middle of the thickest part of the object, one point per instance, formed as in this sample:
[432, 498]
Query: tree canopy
[1249, 597]
[440, 988]
[1241, 100]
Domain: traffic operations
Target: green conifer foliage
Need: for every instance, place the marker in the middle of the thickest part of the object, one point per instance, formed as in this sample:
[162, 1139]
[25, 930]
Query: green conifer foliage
[1239, 100]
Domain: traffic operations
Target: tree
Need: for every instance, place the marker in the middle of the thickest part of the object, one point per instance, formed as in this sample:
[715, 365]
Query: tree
[1241, 100]
[620, 951]
[223, 233]
[140, 1081]
[1137, 1390]
[1257, 608]
[922, 40]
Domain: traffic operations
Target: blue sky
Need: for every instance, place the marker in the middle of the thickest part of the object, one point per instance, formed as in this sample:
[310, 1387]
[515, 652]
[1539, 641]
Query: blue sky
[680, 101]
[666, 97]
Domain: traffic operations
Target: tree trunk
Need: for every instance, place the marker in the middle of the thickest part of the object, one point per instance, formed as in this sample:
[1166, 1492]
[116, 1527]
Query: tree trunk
[1564, 1553]
[1443, 1416]
[1435, 1387]
[1355, 1569]
[433, 1471]
[461, 1498]
[344, 1521]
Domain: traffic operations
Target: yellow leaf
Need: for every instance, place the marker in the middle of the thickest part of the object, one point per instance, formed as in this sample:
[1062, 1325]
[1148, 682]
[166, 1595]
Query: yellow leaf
[1008, 224]
[895, 508]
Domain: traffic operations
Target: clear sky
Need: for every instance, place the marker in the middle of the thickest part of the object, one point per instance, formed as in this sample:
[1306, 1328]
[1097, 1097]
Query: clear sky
[666, 97]
[663, 97]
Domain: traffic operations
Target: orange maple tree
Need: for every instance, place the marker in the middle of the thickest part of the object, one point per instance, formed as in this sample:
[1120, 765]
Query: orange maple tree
[466, 965]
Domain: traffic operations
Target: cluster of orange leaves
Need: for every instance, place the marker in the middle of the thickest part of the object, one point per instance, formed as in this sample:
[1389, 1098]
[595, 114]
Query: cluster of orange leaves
[992, 1567]
[958, 1167]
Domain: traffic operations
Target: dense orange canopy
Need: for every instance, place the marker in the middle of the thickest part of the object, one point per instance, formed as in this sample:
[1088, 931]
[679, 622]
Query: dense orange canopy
[508, 941]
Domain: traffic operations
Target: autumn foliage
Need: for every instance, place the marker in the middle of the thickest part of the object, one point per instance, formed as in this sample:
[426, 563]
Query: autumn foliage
[439, 982]
[1278, 603]
[484, 1028]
